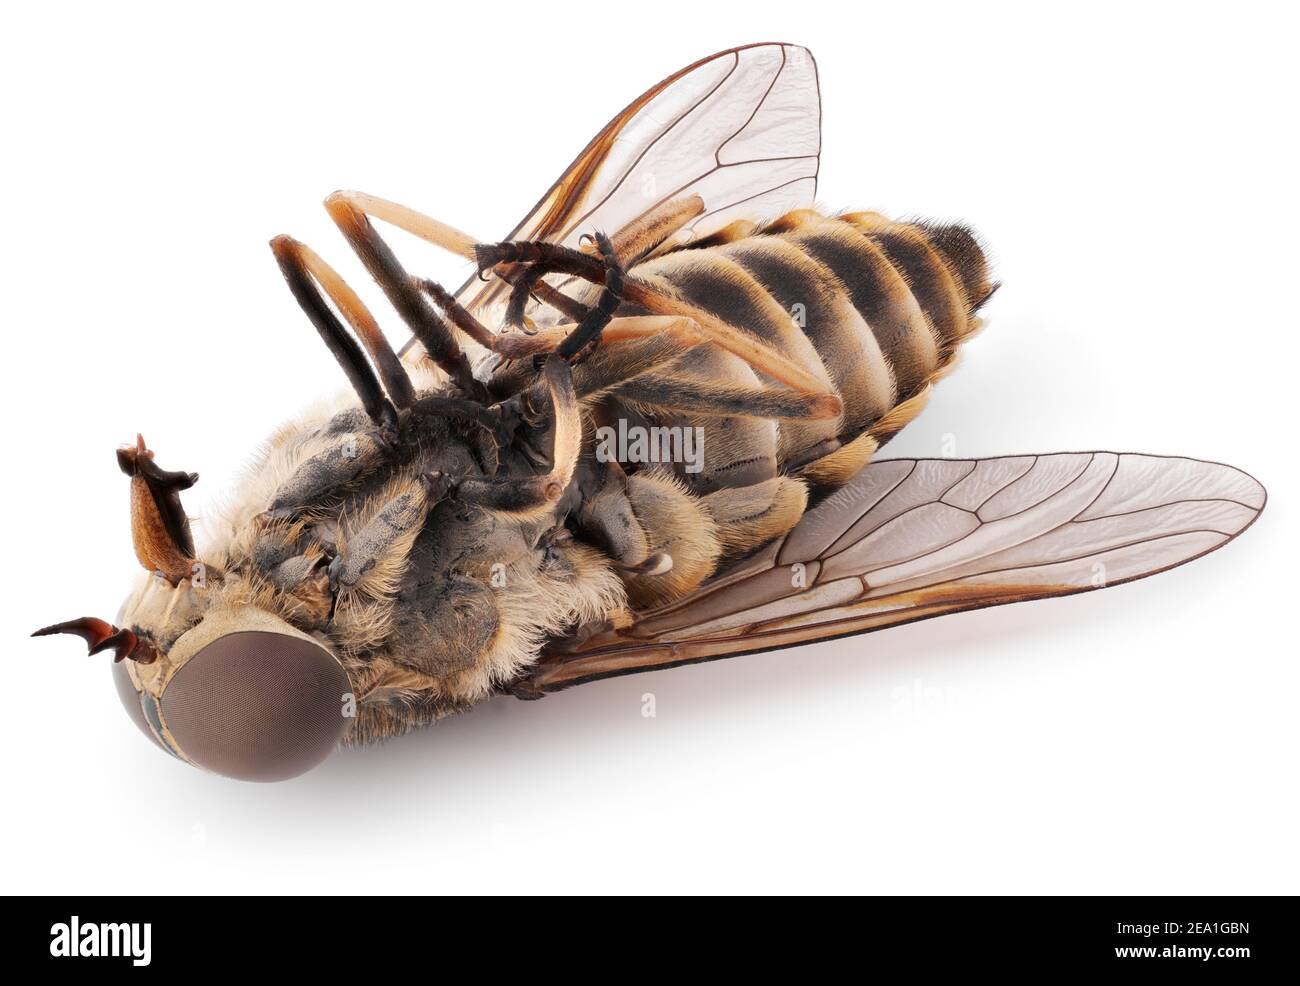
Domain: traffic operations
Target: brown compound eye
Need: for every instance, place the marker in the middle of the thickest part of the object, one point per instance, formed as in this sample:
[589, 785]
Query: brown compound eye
[257, 705]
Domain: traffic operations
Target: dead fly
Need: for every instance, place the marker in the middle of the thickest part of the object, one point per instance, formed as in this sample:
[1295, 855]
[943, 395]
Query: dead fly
[448, 530]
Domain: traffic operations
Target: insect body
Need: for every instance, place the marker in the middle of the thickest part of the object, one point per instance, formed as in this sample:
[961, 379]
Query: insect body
[660, 455]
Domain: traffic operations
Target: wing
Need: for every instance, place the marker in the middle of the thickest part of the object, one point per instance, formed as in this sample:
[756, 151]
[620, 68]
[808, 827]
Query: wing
[741, 129]
[909, 539]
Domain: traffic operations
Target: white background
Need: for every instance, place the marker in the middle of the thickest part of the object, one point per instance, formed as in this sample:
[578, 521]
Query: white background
[1133, 171]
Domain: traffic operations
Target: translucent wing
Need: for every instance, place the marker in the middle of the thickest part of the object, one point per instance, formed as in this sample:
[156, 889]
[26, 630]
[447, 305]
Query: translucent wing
[741, 129]
[910, 539]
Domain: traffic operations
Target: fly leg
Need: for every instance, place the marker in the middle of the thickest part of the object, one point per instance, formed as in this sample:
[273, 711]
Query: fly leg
[606, 515]
[651, 341]
[306, 273]
[641, 236]
[350, 212]
[683, 394]
[654, 300]
[340, 462]
[634, 241]
[372, 555]
[655, 228]
[533, 494]
[540, 259]
[624, 329]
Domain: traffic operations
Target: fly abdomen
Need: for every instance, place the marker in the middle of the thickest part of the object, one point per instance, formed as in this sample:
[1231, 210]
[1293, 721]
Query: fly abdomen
[879, 293]
[814, 300]
[870, 309]
[916, 286]
[873, 307]
[930, 278]
[709, 279]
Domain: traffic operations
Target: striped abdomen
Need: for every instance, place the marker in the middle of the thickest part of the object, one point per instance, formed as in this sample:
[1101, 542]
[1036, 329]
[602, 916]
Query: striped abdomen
[875, 309]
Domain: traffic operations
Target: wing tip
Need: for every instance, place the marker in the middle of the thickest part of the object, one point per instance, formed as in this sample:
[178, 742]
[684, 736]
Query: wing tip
[1260, 490]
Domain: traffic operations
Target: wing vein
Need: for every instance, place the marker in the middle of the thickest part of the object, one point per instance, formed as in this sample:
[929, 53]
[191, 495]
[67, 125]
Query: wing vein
[1002, 547]
[717, 153]
[735, 58]
[1058, 561]
[1159, 506]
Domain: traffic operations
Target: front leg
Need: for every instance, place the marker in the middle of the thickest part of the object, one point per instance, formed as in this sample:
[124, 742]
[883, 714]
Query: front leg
[373, 554]
[336, 465]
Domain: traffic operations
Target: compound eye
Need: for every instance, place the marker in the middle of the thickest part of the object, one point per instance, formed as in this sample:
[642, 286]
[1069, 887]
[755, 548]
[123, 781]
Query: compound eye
[257, 705]
[131, 700]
